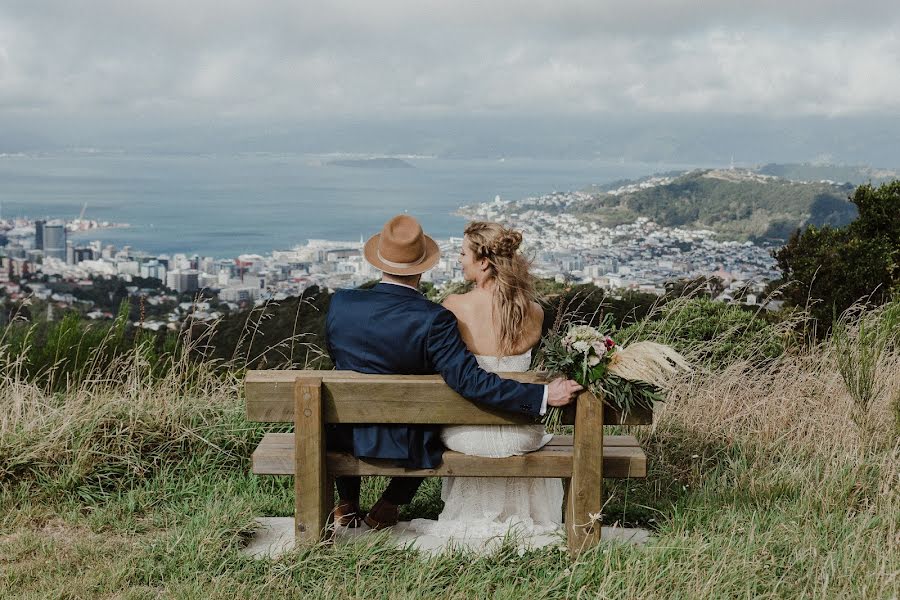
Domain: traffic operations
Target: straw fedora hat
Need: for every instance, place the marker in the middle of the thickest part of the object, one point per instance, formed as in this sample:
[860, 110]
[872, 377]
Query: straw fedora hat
[402, 248]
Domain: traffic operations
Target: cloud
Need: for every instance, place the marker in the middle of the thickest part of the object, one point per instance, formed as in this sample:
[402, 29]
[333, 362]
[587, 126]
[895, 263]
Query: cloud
[295, 60]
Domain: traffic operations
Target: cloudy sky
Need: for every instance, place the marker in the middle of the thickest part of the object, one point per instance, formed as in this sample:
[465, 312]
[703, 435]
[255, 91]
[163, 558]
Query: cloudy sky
[106, 66]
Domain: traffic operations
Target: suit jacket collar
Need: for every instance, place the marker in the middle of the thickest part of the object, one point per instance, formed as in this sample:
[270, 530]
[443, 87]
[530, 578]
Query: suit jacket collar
[397, 290]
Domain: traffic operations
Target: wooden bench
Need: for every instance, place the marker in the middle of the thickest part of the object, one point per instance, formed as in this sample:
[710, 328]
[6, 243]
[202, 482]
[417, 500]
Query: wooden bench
[312, 399]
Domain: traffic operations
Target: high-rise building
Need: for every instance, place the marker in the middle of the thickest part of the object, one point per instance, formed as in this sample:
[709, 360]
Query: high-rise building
[183, 280]
[39, 234]
[15, 251]
[55, 240]
[82, 254]
[172, 279]
[225, 266]
[188, 280]
[153, 269]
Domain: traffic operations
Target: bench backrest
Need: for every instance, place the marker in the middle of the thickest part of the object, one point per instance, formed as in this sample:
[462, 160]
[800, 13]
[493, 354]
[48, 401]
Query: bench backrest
[350, 397]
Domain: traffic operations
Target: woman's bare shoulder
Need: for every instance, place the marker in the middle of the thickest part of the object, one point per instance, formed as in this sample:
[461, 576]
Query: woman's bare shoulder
[450, 300]
[452, 303]
[457, 303]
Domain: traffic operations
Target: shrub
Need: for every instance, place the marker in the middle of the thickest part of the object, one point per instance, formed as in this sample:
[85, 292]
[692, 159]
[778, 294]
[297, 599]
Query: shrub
[59, 355]
[710, 332]
[863, 341]
[831, 269]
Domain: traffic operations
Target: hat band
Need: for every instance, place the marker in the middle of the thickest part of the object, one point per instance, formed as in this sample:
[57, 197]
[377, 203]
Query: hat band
[401, 265]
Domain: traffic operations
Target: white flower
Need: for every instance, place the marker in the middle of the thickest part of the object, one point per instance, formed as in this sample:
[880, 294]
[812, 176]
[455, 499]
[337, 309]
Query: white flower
[593, 361]
[584, 332]
[581, 346]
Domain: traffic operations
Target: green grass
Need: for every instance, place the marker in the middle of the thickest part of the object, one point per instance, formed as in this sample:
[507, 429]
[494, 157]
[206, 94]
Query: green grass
[731, 521]
[761, 485]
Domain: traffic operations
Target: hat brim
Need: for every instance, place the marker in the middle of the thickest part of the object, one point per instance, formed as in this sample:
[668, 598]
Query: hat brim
[432, 256]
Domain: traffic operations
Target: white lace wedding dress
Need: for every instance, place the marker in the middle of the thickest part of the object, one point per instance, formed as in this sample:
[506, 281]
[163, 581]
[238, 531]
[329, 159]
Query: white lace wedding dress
[480, 508]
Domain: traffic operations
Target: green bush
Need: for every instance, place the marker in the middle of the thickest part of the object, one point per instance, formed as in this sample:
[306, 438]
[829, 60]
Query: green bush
[60, 354]
[830, 269]
[710, 332]
[862, 340]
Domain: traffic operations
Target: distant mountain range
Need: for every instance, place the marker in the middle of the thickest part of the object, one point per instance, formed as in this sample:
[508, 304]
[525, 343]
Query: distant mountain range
[764, 204]
[371, 163]
[836, 173]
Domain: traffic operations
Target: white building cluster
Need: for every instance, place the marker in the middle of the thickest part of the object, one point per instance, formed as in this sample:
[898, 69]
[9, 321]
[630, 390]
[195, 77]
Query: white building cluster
[635, 256]
[639, 256]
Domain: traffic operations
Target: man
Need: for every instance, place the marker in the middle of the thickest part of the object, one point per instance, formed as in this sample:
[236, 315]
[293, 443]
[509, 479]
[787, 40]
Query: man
[393, 328]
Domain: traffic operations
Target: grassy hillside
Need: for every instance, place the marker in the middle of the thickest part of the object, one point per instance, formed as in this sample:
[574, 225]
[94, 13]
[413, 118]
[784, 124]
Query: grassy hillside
[737, 204]
[769, 478]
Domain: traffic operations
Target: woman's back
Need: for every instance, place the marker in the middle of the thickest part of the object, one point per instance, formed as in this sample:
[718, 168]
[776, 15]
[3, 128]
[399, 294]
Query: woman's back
[500, 323]
[479, 329]
[479, 323]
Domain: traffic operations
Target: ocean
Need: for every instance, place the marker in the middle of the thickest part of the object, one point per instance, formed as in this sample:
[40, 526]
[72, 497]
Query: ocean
[225, 205]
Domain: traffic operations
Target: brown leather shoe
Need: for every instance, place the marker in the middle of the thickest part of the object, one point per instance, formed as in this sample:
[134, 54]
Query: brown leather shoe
[382, 515]
[347, 514]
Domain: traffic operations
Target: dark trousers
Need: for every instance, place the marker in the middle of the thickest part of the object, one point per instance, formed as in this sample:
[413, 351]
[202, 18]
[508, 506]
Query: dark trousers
[400, 490]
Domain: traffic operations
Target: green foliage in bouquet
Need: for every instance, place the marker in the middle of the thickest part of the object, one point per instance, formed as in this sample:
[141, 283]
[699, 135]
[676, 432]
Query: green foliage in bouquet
[595, 361]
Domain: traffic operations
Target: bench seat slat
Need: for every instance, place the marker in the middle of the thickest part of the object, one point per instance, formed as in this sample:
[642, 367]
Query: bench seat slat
[350, 397]
[286, 440]
[622, 457]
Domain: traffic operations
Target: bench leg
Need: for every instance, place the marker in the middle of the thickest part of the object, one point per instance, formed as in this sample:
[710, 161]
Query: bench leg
[584, 497]
[310, 480]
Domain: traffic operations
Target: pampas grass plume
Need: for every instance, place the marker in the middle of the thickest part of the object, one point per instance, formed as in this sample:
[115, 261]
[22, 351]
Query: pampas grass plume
[649, 362]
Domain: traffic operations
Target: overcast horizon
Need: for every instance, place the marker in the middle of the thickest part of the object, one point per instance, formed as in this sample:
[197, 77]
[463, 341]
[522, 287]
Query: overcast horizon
[686, 82]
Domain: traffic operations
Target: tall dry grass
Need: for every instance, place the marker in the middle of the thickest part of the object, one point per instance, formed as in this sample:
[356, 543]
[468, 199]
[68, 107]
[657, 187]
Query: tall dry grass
[835, 396]
[82, 412]
[120, 422]
[123, 418]
[765, 481]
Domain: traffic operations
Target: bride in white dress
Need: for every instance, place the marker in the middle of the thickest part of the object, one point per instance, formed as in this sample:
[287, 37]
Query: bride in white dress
[500, 323]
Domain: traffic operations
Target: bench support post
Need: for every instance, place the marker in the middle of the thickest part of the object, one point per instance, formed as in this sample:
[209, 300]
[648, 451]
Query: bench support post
[584, 497]
[310, 495]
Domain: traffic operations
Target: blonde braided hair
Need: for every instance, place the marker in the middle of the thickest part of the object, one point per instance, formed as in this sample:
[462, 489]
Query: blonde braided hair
[515, 285]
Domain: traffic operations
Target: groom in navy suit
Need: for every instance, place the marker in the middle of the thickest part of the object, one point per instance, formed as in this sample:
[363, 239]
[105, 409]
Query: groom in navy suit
[394, 329]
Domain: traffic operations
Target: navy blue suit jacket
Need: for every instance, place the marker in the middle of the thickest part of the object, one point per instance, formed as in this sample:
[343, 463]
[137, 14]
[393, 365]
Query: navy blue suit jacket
[395, 330]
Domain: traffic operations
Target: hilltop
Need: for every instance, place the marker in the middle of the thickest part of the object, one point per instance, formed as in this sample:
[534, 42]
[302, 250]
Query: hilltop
[736, 203]
[855, 174]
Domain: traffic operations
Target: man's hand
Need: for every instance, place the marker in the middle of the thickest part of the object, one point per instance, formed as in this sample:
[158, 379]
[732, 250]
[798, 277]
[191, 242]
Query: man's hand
[562, 391]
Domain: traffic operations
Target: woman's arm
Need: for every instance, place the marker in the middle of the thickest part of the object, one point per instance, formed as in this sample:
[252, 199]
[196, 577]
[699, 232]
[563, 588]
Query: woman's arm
[535, 324]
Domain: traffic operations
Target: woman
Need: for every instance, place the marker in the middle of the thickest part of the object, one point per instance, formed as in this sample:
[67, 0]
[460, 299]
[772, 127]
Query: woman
[500, 323]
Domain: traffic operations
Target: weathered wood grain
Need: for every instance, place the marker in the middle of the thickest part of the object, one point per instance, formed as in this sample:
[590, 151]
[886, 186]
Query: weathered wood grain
[311, 506]
[350, 397]
[622, 458]
[584, 501]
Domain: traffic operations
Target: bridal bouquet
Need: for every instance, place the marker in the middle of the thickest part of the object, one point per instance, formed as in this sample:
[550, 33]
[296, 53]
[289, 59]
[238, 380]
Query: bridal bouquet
[624, 377]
